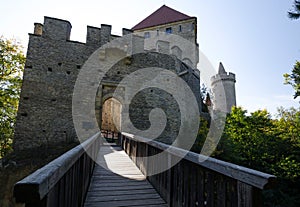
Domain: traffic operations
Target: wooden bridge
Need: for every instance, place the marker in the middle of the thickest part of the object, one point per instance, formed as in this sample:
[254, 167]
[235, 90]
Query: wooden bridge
[125, 177]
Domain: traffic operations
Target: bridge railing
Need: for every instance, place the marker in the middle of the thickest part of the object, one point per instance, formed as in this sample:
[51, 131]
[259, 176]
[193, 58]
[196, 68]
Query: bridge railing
[62, 182]
[194, 182]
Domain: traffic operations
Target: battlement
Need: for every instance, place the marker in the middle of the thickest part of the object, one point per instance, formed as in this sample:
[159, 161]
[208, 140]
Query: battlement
[223, 77]
[59, 29]
[56, 29]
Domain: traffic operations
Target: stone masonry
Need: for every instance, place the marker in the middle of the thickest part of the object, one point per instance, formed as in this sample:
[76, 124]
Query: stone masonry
[53, 63]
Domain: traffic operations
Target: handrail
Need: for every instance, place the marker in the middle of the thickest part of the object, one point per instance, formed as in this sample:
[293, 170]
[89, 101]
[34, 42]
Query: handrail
[196, 180]
[246, 175]
[49, 185]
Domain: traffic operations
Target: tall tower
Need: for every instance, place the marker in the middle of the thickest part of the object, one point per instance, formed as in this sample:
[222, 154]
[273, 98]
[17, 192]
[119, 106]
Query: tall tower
[223, 88]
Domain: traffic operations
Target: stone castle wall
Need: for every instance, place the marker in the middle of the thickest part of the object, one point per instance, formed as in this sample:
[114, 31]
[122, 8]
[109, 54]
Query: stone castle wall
[52, 66]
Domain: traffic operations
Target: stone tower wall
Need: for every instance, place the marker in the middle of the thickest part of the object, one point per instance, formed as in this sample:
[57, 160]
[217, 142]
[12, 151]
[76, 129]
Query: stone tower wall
[223, 87]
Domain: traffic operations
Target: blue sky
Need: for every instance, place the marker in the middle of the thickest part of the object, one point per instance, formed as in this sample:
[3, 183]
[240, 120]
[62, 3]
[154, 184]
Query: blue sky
[254, 39]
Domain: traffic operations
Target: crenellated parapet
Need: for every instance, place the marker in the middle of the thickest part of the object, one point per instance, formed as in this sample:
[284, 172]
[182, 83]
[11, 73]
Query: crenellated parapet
[58, 29]
[223, 77]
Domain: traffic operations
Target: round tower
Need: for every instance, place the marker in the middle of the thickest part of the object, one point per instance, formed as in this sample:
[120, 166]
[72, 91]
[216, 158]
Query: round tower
[223, 88]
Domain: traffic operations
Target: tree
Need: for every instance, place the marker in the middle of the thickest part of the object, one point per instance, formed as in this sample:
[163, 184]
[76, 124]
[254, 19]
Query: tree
[293, 79]
[270, 145]
[251, 139]
[288, 130]
[296, 13]
[12, 62]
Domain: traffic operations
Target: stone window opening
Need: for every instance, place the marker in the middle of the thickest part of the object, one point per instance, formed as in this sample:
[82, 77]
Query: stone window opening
[50, 69]
[169, 30]
[68, 72]
[147, 35]
[180, 28]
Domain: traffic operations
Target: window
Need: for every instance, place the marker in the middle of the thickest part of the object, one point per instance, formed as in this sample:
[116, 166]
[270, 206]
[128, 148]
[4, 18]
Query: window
[180, 28]
[147, 35]
[157, 34]
[169, 30]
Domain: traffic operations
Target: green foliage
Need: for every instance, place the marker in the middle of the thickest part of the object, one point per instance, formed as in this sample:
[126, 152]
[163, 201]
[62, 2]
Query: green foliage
[288, 130]
[202, 134]
[270, 145]
[296, 13]
[11, 69]
[293, 79]
[252, 140]
[260, 142]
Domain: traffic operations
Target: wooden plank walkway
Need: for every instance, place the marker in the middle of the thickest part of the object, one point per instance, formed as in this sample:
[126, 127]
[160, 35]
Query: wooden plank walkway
[118, 182]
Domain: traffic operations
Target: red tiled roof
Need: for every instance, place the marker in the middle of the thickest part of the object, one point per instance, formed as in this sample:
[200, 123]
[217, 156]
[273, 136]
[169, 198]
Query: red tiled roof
[163, 15]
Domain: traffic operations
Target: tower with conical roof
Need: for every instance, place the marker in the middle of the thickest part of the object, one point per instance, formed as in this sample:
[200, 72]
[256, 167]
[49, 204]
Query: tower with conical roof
[223, 88]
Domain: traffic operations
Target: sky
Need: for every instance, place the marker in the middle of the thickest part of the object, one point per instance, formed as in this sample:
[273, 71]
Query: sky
[253, 39]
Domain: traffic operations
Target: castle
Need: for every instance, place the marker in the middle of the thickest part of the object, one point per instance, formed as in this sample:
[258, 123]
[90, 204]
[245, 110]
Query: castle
[54, 63]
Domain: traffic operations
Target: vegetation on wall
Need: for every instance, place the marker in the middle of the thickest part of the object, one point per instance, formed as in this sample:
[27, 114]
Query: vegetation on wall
[12, 62]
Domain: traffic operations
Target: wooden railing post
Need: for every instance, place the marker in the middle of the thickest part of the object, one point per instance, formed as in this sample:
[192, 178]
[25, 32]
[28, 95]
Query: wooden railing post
[119, 140]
